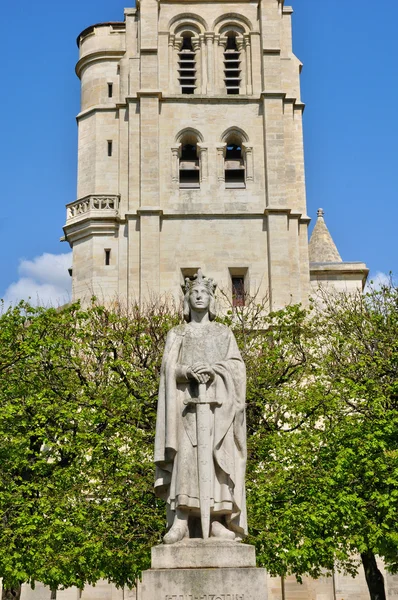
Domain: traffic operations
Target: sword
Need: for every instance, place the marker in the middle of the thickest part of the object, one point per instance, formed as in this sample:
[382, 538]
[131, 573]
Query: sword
[205, 455]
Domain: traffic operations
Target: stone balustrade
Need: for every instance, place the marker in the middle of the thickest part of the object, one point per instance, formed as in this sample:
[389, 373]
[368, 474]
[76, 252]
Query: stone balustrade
[98, 205]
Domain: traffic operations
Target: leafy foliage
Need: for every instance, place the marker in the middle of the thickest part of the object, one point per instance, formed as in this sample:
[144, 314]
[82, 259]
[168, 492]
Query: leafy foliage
[323, 470]
[78, 406]
[78, 390]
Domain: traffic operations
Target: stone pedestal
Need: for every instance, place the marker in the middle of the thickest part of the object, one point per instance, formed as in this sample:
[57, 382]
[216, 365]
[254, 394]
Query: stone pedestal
[203, 570]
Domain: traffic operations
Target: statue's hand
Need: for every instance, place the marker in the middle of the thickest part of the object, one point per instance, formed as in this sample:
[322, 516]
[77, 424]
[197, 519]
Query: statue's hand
[199, 377]
[201, 372]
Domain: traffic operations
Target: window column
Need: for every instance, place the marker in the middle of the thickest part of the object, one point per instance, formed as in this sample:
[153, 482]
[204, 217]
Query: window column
[175, 78]
[216, 64]
[220, 162]
[248, 153]
[203, 162]
[249, 84]
[203, 62]
[175, 163]
[221, 46]
[198, 63]
[209, 36]
[172, 63]
[240, 44]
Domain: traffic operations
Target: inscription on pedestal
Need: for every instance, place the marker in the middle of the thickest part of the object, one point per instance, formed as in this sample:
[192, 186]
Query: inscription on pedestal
[245, 583]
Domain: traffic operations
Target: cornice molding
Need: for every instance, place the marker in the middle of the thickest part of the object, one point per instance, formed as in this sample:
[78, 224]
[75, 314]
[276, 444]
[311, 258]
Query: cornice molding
[149, 211]
[99, 108]
[149, 93]
[99, 56]
[90, 226]
[343, 268]
[275, 51]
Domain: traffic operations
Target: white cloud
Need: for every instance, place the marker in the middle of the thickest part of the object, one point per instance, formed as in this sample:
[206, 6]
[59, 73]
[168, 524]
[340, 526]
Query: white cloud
[44, 281]
[376, 281]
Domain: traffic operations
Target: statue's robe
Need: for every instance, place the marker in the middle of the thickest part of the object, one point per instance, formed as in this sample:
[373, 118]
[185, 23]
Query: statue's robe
[176, 441]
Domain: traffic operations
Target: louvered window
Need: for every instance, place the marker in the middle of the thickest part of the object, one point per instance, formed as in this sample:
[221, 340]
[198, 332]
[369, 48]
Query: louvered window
[232, 68]
[187, 66]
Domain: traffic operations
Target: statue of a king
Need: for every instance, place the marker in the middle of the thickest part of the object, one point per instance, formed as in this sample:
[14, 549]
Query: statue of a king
[200, 445]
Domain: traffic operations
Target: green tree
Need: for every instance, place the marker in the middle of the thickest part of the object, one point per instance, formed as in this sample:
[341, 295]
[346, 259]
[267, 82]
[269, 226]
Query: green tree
[78, 403]
[323, 475]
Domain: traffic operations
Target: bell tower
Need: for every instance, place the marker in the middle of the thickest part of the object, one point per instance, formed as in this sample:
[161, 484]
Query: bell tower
[190, 153]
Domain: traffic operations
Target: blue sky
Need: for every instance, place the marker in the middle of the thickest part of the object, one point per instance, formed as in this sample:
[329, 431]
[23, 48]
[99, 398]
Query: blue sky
[349, 83]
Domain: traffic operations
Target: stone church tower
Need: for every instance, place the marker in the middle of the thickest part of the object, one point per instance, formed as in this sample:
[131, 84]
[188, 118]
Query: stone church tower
[191, 154]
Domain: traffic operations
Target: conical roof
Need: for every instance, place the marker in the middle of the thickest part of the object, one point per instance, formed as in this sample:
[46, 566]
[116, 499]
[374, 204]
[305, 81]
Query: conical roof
[322, 248]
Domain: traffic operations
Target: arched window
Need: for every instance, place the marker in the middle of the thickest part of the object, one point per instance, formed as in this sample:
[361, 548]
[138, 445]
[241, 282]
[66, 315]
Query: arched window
[234, 164]
[187, 65]
[232, 62]
[189, 170]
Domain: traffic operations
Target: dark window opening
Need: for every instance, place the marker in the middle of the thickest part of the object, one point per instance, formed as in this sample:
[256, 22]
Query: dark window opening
[238, 291]
[234, 65]
[187, 43]
[110, 147]
[189, 179]
[234, 77]
[231, 43]
[188, 152]
[189, 167]
[234, 179]
[107, 257]
[189, 82]
[110, 90]
[233, 152]
[234, 167]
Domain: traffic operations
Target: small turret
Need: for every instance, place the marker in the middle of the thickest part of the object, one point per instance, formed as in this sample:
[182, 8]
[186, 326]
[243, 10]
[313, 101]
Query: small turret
[327, 268]
[322, 248]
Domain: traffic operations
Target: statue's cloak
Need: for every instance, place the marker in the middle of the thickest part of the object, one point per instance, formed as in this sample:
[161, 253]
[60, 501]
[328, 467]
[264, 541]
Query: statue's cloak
[175, 441]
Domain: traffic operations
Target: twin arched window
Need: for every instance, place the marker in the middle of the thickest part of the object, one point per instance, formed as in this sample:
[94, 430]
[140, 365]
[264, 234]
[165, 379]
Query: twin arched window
[190, 161]
[201, 64]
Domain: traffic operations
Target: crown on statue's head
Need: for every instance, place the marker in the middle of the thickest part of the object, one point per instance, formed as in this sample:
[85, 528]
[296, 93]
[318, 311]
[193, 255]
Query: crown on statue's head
[200, 279]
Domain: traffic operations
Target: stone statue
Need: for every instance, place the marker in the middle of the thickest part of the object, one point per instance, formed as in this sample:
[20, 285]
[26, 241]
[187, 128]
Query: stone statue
[200, 445]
